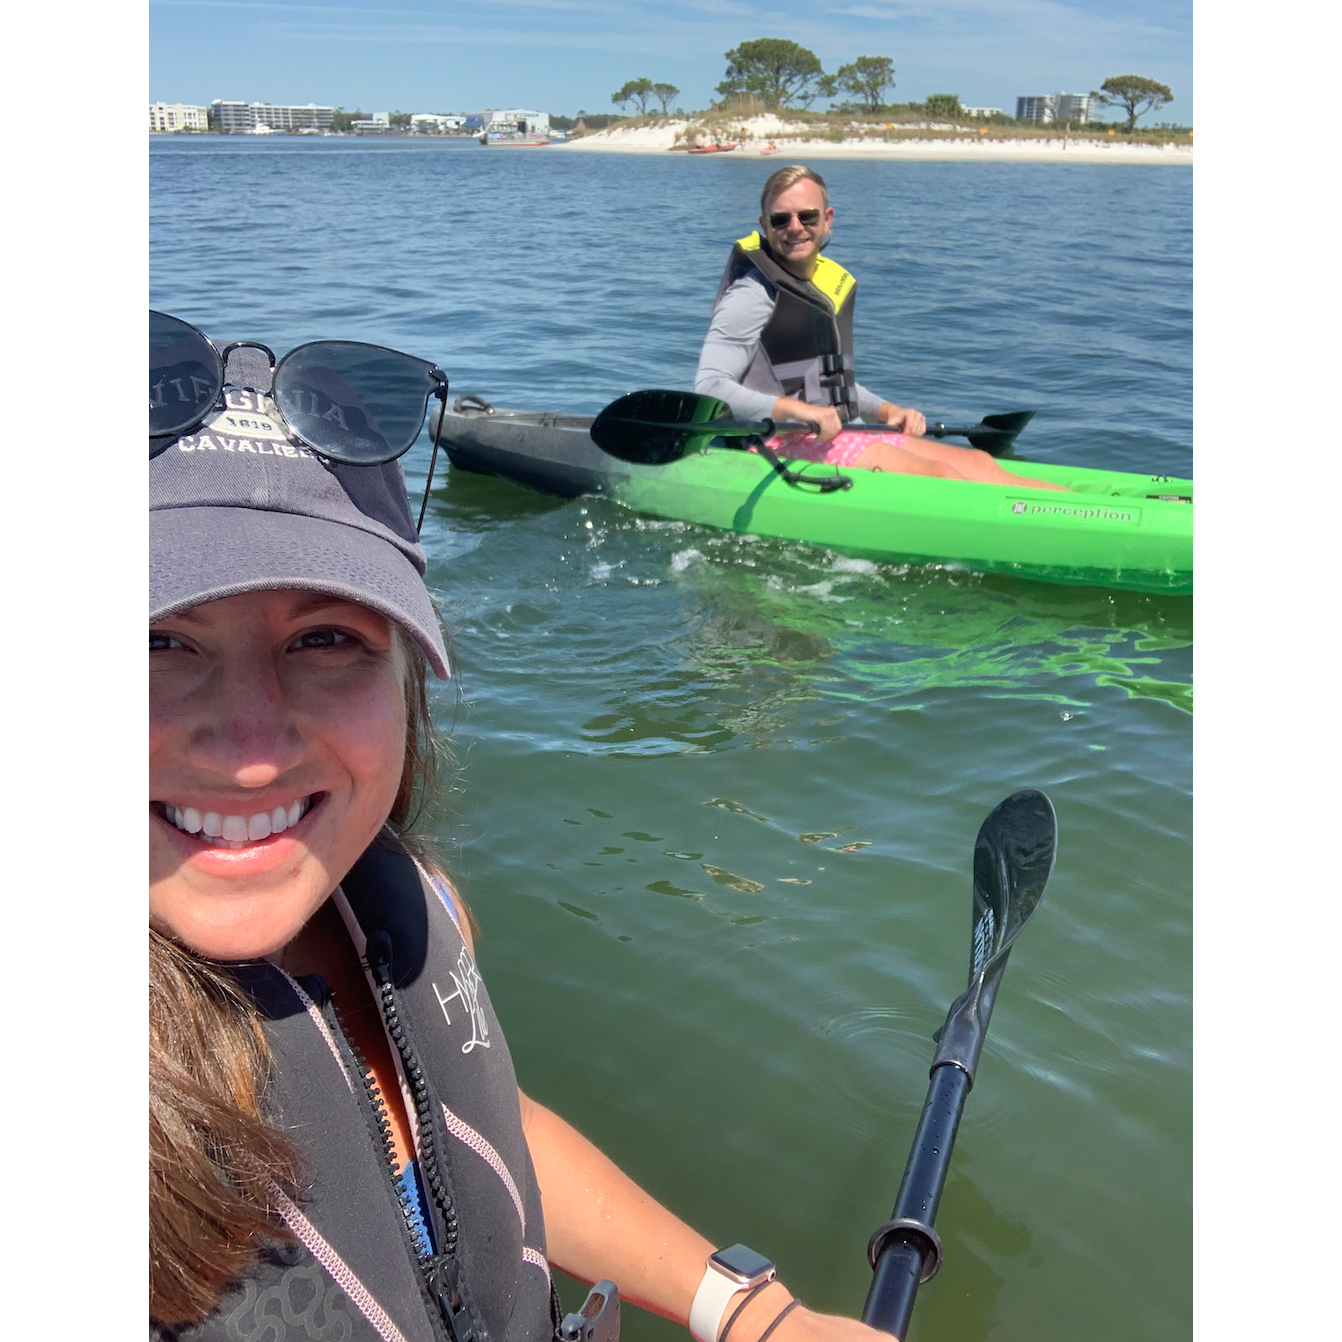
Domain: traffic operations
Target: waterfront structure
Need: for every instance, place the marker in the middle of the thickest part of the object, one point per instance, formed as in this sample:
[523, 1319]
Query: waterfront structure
[172, 118]
[377, 124]
[1042, 109]
[516, 121]
[432, 123]
[983, 112]
[239, 118]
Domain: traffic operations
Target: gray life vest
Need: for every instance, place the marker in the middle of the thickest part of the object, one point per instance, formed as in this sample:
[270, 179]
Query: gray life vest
[354, 1273]
[806, 347]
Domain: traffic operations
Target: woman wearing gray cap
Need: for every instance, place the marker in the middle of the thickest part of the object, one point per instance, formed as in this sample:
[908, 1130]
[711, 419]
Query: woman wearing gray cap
[338, 1146]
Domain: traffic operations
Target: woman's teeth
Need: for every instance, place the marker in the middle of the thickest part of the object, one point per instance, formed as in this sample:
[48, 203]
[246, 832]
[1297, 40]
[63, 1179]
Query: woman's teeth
[236, 831]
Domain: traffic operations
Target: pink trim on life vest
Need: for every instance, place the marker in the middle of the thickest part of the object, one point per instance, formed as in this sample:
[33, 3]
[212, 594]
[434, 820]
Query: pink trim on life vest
[466, 1134]
[535, 1258]
[314, 1011]
[336, 1268]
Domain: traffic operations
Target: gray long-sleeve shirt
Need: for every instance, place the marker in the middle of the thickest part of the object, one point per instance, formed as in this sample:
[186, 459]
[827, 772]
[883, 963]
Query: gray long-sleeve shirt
[733, 337]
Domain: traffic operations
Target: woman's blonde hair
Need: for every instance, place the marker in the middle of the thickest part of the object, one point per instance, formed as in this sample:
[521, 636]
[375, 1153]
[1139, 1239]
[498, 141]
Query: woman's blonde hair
[212, 1153]
[790, 176]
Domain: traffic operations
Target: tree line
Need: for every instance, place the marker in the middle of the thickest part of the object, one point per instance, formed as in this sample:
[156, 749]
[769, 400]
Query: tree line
[780, 74]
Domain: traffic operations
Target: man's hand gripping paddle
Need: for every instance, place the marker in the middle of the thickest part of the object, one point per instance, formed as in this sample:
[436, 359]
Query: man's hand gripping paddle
[1013, 857]
[652, 428]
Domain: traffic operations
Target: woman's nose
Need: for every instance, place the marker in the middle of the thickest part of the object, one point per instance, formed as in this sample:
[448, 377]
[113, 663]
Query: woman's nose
[249, 734]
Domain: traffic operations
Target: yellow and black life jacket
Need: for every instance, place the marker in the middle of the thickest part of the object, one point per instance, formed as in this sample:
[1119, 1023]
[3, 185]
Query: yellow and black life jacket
[806, 347]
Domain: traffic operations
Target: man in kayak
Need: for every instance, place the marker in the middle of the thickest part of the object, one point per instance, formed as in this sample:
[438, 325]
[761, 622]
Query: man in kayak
[780, 346]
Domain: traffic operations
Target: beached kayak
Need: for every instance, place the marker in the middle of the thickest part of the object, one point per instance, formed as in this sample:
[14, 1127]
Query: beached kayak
[1116, 529]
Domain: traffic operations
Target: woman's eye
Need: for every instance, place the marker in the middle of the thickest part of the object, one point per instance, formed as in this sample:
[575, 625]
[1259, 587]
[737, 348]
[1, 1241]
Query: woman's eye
[322, 638]
[162, 642]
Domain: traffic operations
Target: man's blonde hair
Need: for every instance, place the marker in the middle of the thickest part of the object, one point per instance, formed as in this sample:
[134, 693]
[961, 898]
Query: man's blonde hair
[790, 176]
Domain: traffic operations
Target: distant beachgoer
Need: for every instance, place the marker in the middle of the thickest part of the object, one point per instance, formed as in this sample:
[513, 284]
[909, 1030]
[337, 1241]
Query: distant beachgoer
[780, 346]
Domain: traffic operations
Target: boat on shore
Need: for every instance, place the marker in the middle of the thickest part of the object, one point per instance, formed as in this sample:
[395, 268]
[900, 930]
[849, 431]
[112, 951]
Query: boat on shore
[714, 148]
[1116, 529]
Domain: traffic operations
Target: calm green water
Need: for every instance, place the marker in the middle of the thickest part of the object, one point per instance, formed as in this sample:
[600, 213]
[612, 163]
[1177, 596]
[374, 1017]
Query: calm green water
[715, 798]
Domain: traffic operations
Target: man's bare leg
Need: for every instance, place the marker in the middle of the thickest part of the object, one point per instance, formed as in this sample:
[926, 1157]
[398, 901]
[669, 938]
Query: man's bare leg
[923, 456]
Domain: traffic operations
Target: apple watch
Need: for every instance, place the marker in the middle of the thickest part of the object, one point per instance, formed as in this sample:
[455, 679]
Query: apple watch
[729, 1272]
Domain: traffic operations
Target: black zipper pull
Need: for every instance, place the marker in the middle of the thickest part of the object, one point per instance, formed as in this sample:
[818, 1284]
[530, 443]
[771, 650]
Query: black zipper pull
[378, 955]
[443, 1286]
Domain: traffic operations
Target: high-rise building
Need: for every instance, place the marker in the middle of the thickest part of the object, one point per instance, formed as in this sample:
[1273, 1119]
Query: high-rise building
[1048, 107]
[286, 117]
[170, 118]
[1074, 107]
[237, 118]
[230, 118]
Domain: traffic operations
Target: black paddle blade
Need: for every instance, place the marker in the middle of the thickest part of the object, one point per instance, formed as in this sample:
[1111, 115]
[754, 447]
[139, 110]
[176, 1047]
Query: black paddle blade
[995, 433]
[652, 428]
[1013, 859]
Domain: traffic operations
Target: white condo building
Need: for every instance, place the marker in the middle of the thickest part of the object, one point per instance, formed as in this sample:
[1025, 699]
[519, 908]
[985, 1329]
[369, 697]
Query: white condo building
[170, 118]
[1041, 109]
[238, 118]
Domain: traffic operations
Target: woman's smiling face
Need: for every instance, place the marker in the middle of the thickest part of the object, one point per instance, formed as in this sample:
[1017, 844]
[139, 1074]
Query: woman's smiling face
[277, 739]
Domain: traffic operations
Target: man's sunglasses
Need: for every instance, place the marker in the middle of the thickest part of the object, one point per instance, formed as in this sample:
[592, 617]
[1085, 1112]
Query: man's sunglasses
[806, 218]
[357, 404]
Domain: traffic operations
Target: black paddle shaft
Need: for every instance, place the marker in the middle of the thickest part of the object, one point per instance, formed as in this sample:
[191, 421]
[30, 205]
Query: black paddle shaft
[907, 1251]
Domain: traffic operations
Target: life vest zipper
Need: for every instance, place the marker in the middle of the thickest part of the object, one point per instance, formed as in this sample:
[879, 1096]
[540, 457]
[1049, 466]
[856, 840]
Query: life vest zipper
[440, 1269]
[382, 1124]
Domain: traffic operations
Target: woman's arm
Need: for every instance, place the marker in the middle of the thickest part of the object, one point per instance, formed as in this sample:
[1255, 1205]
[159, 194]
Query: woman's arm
[599, 1223]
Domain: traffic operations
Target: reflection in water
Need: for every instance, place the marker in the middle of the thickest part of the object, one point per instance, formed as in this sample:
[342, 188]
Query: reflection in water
[899, 629]
[772, 624]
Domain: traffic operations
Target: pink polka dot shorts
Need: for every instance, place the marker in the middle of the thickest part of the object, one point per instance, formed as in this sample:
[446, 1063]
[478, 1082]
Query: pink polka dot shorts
[841, 450]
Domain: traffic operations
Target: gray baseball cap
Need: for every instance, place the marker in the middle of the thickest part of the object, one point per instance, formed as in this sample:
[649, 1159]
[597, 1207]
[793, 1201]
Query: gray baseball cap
[237, 507]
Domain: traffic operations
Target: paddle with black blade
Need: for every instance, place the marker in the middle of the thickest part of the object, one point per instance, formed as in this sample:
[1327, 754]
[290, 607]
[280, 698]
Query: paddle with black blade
[653, 428]
[1013, 857]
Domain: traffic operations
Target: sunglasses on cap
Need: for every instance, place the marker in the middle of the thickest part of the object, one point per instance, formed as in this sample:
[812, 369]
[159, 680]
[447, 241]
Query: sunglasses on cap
[806, 218]
[361, 405]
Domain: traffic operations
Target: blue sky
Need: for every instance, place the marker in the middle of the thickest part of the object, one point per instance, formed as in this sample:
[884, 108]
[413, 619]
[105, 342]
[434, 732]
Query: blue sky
[562, 55]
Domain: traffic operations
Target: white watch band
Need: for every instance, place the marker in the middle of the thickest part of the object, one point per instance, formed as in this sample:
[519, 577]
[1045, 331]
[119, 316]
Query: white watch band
[715, 1292]
[710, 1304]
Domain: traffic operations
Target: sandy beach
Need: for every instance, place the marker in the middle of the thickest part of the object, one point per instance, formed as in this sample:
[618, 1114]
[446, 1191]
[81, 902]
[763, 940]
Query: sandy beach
[933, 141]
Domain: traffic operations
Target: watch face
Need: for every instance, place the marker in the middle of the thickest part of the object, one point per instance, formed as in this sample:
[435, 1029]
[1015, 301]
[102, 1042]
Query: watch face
[746, 1264]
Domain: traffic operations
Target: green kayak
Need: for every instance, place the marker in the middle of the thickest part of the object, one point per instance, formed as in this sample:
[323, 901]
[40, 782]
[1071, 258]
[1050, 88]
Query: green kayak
[1115, 530]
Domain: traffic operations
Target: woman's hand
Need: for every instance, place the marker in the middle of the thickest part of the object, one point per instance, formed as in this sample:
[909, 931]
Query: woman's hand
[902, 419]
[823, 420]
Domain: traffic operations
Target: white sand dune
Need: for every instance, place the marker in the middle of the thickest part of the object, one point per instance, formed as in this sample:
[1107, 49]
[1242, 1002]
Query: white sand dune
[967, 144]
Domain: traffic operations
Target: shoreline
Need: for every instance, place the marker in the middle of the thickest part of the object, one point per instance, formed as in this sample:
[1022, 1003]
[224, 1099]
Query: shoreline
[961, 144]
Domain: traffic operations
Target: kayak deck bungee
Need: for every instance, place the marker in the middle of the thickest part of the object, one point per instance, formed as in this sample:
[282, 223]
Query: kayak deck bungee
[1117, 529]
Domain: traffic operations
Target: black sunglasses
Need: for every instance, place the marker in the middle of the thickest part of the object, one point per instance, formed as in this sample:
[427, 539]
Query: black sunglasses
[357, 404]
[806, 218]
